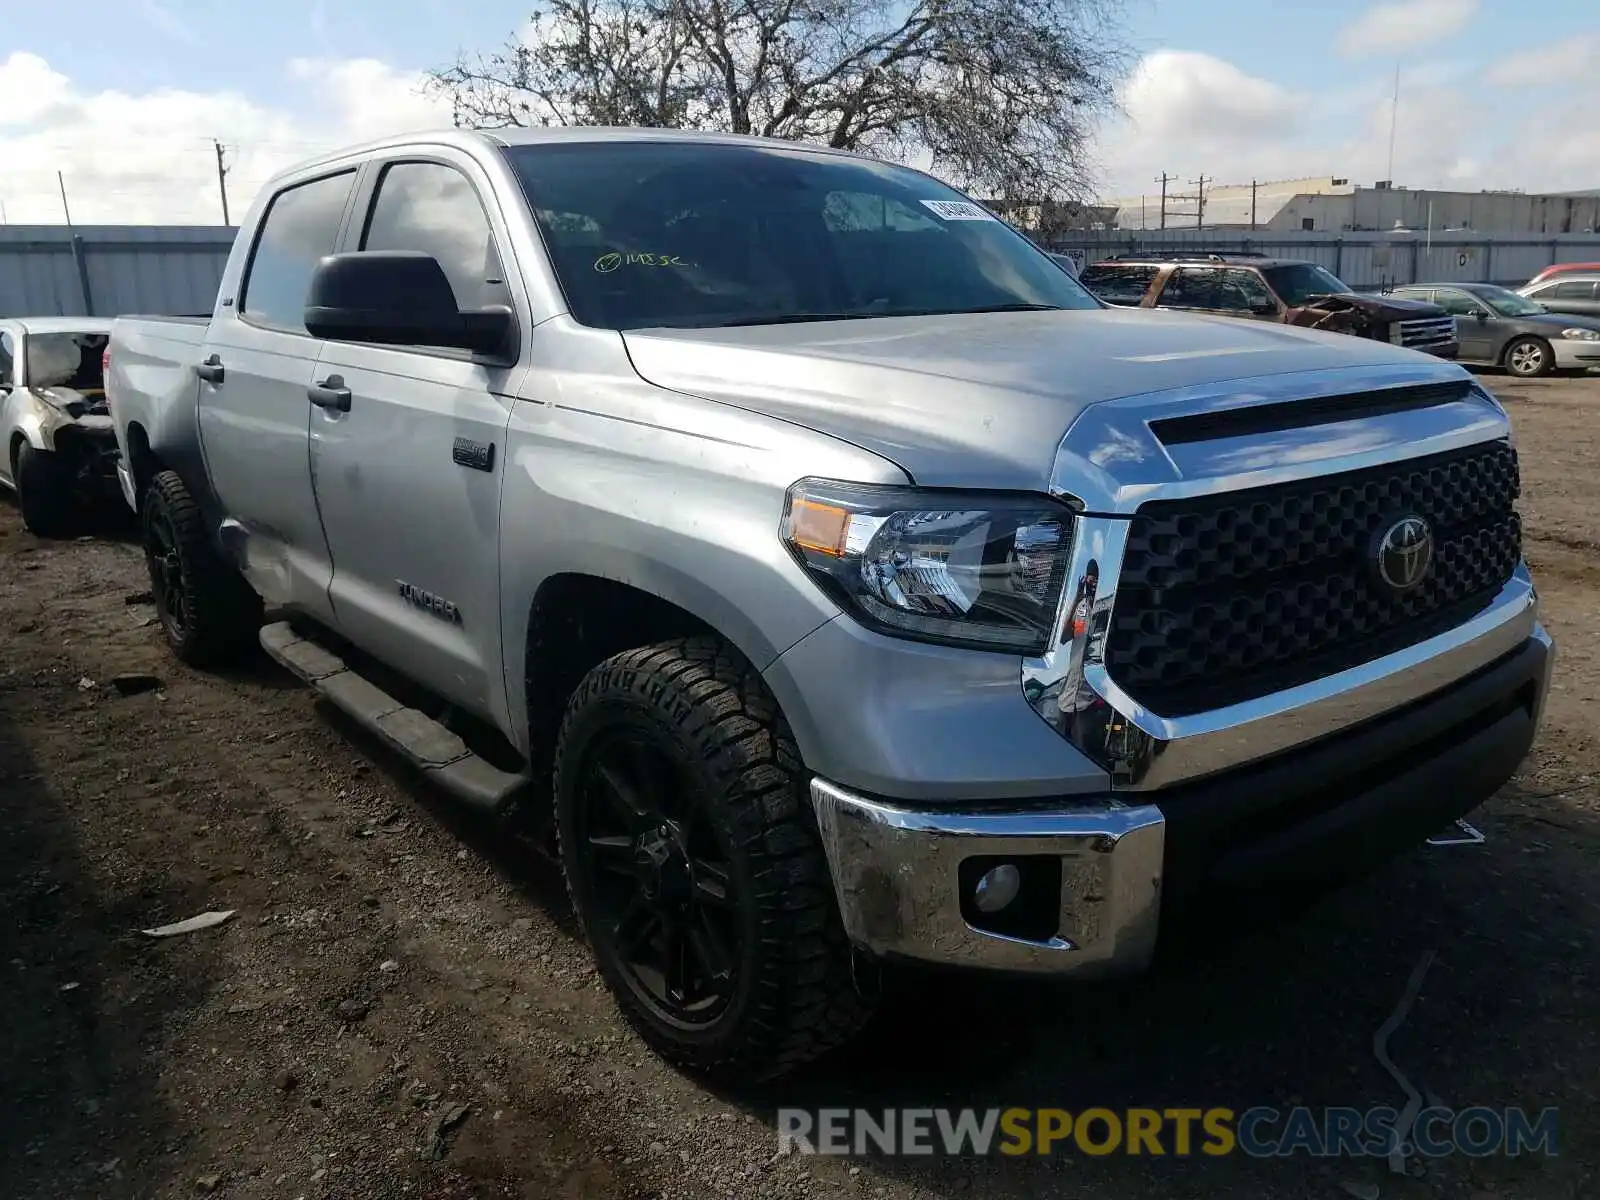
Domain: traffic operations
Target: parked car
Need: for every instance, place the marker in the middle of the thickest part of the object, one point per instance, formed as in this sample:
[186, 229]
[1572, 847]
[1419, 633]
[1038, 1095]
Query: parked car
[1066, 262]
[60, 448]
[1577, 294]
[1564, 269]
[838, 579]
[1497, 326]
[1231, 284]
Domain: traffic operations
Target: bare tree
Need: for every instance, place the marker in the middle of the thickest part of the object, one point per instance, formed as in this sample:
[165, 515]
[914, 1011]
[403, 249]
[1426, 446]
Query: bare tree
[1001, 94]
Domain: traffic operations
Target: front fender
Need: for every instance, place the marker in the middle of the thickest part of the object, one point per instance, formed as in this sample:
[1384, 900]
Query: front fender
[662, 507]
[36, 420]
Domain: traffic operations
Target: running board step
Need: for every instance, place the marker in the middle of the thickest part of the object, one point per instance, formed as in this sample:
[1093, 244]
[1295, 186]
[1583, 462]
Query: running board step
[438, 753]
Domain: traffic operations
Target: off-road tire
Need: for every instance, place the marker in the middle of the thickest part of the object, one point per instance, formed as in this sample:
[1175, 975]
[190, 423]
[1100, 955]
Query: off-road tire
[796, 997]
[43, 492]
[219, 616]
[1529, 350]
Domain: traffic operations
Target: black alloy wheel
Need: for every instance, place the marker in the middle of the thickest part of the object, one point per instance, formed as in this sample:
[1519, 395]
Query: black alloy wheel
[658, 880]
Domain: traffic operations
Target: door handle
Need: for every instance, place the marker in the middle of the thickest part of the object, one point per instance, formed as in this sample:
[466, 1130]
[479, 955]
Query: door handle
[331, 394]
[211, 369]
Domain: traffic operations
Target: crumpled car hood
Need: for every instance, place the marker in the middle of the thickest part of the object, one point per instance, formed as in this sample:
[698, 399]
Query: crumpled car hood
[982, 400]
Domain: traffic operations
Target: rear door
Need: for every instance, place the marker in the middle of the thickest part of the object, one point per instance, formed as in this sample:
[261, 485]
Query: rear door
[408, 478]
[257, 362]
[1120, 284]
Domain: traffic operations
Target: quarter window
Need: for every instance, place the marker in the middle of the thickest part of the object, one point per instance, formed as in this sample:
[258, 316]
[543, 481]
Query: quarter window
[434, 209]
[301, 225]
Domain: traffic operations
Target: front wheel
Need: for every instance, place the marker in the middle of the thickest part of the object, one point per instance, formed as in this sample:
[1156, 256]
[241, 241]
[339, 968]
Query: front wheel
[695, 866]
[44, 492]
[207, 612]
[1529, 357]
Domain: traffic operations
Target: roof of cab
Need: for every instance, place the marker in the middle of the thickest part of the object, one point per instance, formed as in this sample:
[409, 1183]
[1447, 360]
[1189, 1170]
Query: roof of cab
[471, 139]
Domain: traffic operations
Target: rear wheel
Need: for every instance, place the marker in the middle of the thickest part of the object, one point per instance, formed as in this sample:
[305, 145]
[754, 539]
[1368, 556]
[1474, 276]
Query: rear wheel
[208, 613]
[695, 866]
[44, 492]
[1528, 357]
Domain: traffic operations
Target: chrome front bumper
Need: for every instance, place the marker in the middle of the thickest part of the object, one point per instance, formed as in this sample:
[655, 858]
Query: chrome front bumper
[896, 873]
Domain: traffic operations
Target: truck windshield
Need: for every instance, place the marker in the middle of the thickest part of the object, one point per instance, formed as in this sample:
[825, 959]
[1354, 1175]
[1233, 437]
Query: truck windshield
[1296, 283]
[673, 233]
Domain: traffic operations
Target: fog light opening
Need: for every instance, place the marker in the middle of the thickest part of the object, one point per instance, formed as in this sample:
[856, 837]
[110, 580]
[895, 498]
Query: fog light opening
[997, 888]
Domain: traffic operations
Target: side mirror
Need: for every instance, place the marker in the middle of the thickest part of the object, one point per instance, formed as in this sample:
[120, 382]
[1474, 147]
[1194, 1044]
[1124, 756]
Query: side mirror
[397, 298]
[1482, 316]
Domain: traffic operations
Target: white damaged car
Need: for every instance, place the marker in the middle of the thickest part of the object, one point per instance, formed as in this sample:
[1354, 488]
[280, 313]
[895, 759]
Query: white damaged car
[60, 446]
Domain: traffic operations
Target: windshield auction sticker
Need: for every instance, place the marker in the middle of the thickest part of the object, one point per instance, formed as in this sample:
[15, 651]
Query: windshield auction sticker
[957, 210]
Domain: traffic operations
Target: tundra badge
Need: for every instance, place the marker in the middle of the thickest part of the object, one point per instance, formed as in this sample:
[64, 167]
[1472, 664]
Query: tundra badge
[428, 602]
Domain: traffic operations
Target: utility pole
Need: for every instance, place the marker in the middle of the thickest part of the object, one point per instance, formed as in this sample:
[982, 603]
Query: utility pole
[62, 183]
[1200, 201]
[1165, 179]
[222, 181]
[1394, 119]
[1252, 206]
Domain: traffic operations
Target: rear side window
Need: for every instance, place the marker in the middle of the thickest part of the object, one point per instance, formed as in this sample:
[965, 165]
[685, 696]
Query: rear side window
[1572, 289]
[301, 225]
[434, 209]
[1117, 284]
[1216, 289]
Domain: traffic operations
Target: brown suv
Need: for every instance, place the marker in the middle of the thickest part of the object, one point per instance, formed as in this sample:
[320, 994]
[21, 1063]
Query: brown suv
[1253, 286]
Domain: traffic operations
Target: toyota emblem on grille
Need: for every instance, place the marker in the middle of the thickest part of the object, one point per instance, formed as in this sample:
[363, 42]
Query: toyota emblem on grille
[1403, 553]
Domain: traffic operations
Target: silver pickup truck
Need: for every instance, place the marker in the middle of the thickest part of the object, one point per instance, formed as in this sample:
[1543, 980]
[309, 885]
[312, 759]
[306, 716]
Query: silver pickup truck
[838, 579]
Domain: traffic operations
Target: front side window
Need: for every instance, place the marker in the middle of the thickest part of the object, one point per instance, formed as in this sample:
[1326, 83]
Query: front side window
[1457, 304]
[674, 233]
[1299, 283]
[1572, 289]
[434, 209]
[8, 359]
[1118, 283]
[300, 226]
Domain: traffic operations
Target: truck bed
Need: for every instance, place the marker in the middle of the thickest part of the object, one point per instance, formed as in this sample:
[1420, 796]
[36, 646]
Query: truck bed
[152, 388]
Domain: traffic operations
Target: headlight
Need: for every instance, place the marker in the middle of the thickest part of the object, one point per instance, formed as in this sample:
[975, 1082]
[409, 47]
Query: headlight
[970, 569]
[1582, 335]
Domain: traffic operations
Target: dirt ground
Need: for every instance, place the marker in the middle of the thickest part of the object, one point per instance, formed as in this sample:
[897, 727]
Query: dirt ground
[400, 1008]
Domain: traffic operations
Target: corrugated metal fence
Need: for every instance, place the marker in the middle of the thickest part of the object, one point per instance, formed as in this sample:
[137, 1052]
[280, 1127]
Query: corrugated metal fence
[1364, 260]
[103, 270]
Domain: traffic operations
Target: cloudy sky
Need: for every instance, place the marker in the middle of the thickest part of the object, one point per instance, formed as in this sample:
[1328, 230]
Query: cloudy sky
[125, 97]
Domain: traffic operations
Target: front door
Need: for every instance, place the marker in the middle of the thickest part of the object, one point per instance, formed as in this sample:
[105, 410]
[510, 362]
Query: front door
[408, 461]
[257, 362]
[1479, 329]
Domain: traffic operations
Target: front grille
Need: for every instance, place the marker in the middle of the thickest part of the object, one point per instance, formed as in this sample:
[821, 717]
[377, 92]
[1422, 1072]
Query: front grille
[1427, 333]
[1226, 598]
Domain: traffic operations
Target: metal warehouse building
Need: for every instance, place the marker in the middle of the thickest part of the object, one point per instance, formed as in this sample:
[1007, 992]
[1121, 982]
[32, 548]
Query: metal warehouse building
[104, 270]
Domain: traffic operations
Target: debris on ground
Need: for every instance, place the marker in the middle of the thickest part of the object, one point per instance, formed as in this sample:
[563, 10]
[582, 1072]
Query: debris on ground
[441, 1124]
[132, 684]
[195, 924]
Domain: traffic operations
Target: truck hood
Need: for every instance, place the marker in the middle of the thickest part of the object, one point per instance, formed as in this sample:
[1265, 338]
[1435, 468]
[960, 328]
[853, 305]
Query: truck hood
[979, 400]
[1383, 308]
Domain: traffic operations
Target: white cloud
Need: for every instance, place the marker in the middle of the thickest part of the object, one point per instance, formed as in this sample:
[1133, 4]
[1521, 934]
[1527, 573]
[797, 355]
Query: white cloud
[1405, 24]
[135, 158]
[1191, 114]
[1565, 60]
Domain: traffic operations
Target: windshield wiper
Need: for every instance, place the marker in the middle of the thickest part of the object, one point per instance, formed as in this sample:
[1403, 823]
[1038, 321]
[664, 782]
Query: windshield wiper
[798, 318]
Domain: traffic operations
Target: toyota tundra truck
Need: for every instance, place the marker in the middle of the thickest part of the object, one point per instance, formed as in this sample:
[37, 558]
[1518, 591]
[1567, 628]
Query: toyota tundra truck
[833, 578]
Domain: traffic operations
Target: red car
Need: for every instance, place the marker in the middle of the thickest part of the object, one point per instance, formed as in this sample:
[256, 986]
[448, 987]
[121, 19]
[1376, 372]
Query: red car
[1561, 269]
